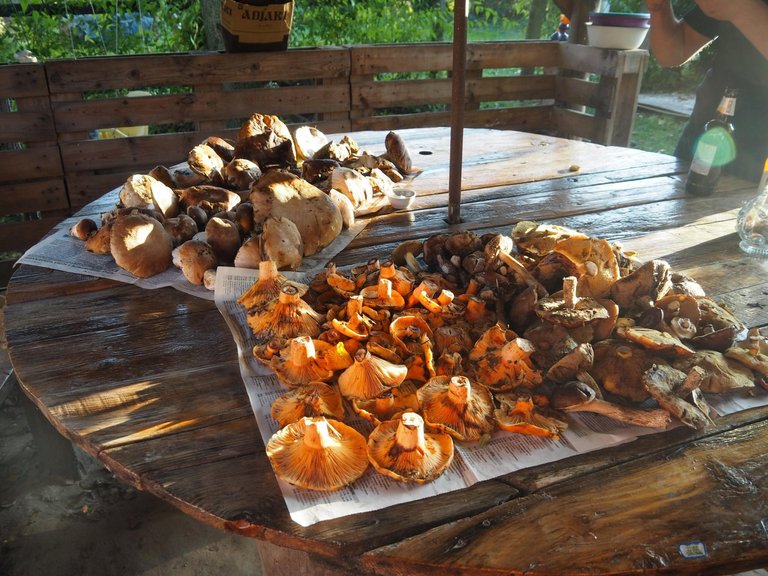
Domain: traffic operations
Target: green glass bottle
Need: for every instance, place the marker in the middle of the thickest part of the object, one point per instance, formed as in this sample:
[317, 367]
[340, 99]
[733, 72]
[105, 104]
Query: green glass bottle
[714, 149]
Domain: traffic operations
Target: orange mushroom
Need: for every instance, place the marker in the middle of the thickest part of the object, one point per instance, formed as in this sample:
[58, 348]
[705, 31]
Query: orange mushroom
[318, 454]
[370, 376]
[402, 449]
[456, 405]
[313, 399]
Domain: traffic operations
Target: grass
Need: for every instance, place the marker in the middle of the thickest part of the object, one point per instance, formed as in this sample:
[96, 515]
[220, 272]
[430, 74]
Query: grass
[656, 132]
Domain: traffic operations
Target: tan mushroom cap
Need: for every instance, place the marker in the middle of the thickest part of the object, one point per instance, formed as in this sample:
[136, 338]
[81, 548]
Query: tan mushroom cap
[402, 449]
[312, 399]
[568, 309]
[140, 245]
[723, 374]
[539, 239]
[194, 258]
[596, 261]
[459, 407]
[318, 454]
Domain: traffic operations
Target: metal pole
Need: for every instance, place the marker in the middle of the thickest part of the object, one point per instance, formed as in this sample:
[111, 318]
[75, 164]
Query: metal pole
[457, 109]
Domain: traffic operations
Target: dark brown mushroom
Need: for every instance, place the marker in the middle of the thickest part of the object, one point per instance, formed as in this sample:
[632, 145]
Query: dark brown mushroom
[579, 397]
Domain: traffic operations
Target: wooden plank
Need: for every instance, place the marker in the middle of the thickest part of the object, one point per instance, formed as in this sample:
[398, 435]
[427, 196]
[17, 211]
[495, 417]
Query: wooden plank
[18, 236]
[134, 72]
[529, 118]
[588, 59]
[216, 103]
[435, 56]
[580, 92]
[574, 124]
[34, 196]
[30, 164]
[27, 127]
[632, 508]
[112, 304]
[399, 93]
[23, 80]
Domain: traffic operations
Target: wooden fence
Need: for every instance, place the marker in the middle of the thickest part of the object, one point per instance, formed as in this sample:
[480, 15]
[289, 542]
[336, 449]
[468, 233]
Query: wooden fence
[54, 157]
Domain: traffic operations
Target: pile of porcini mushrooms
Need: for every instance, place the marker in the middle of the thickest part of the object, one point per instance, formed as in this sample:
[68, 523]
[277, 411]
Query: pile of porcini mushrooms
[459, 335]
[269, 195]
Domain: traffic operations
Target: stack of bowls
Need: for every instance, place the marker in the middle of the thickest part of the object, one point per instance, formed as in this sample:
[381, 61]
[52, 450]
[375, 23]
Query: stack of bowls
[617, 30]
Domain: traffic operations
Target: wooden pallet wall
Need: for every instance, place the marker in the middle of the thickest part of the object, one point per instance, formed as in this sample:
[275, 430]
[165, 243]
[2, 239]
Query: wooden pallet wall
[33, 196]
[193, 96]
[54, 117]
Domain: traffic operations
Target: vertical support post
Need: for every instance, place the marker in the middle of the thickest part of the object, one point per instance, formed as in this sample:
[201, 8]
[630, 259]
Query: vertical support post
[457, 109]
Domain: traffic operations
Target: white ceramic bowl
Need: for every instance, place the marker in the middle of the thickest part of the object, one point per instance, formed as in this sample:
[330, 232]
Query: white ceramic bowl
[401, 199]
[616, 37]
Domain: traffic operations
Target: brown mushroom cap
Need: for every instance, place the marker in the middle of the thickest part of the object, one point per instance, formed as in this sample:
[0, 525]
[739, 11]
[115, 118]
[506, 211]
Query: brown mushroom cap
[318, 454]
[402, 449]
[194, 257]
[661, 343]
[723, 374]
[649, 282]
[568, 310]
[140, 245]
[224, 238]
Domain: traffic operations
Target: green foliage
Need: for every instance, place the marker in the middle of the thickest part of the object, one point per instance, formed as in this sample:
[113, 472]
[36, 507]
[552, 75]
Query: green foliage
[76, 28]
[369, 22]
[656, 132]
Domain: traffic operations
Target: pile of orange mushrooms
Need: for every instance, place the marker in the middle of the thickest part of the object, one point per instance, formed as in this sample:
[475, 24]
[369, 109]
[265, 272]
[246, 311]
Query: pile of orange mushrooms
[459, 335]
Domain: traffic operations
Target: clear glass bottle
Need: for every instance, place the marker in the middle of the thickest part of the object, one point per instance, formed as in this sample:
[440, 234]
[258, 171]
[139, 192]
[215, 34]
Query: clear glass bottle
[714, 148]
[752, 221]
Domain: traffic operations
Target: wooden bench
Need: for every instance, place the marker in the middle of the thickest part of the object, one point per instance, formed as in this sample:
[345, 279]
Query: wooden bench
[52, 161]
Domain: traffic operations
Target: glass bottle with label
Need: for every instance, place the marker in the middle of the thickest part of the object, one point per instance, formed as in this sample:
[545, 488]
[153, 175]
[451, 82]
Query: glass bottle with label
[752, 221]
[714, 149]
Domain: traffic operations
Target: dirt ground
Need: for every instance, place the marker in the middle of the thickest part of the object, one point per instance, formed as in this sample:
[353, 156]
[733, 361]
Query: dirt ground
[98, 526]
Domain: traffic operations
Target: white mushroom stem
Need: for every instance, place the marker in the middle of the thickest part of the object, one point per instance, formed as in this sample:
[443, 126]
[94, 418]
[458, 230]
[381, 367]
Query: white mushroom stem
[570, 298]
[459, 390]
[516, 350]
[410, 433]
[518, 268]
[318, 434]
[302, 350]
[385, 289]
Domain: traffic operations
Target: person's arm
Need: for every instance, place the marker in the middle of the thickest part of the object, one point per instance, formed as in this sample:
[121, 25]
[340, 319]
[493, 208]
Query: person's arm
[749, 16]
[673, 42]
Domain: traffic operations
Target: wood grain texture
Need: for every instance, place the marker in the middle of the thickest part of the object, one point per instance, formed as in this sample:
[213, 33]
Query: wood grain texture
[149, 383]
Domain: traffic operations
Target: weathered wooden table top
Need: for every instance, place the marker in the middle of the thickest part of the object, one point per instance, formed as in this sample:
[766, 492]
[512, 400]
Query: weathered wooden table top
[149, 383]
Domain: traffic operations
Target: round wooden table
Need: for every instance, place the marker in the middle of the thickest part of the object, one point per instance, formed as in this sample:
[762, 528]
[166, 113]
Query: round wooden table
[148, 382]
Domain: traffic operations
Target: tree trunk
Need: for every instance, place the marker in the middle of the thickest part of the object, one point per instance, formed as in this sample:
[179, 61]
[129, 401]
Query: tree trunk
[537, 19]
[211, 12]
